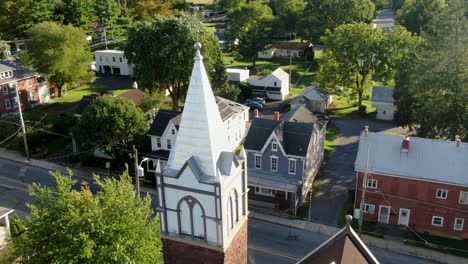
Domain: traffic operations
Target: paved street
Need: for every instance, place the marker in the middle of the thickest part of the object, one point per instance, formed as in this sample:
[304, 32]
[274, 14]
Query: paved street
[340, 176]
[269, 243]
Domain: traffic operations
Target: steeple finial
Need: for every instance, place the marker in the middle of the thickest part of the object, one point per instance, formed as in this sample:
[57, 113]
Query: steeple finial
[198, 46]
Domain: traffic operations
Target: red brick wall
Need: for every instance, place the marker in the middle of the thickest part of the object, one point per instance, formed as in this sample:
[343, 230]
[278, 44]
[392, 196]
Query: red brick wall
[22, 86]
[420, 197]
[183, 253]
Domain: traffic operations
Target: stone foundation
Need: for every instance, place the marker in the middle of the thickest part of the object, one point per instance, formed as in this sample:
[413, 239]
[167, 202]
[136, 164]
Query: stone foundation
[194, 252]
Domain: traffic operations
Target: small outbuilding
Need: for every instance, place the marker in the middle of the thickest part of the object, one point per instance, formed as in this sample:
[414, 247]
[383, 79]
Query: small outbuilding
[237, 75]
[314, 98]
[382, 99]
[274, 86]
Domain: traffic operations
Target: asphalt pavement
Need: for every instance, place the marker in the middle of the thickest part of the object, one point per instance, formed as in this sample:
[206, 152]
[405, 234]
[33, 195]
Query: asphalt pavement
[339, 175]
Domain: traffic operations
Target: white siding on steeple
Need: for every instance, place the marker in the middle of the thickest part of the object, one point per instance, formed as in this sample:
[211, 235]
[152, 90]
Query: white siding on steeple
[202, 133]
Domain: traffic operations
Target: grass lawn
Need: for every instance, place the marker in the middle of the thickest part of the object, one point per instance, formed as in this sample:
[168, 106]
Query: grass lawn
[346, 108]
[447, 245]
[5, 254]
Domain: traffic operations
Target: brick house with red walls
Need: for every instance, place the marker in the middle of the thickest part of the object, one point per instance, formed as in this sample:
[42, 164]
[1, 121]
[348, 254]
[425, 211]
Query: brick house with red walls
[12, 78]
[416, 182]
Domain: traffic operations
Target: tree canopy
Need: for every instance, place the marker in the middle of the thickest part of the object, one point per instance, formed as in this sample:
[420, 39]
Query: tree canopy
[59, 51]
[416, 15]
[354, 52]
[17, 16]
[320, 15]
[431, 91]
[289, 12]
[109, 121]
[81, 226]
[162, 53]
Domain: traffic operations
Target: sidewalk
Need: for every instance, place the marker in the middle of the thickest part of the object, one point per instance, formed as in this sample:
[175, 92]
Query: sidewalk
[388, 244]
[17, 157]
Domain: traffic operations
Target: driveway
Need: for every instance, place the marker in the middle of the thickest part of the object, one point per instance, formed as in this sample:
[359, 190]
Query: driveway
[114, 82]
[339, 175]
[268, 110]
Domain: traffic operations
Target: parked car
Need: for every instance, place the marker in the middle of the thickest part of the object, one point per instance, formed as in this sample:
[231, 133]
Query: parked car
[256, 100]
[259, 99]
[254, 105]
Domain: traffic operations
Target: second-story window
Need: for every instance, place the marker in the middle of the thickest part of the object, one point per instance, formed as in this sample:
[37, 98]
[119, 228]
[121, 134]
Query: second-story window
[158, 142]
[173, 131]
[7, 104]
[274, 146]
[441, 194]
[120, 59]
[12, 88]
[463, 199]
[371, 183]
[169, 146]
[292, 166]
[258, 161]
[113, 59]
[274, 164]
[5, 88]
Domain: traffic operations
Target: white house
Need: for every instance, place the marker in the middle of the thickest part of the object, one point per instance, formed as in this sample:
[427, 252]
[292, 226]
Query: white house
[165, 127]
[237, 75]
[112, 62]
[314, 98]
[285, 49]
[267, 53]
[382, 99]
[275, 85]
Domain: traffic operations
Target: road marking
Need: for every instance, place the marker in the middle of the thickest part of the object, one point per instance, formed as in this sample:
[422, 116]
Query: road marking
[15, 181]
[12, 187]
[273, 252]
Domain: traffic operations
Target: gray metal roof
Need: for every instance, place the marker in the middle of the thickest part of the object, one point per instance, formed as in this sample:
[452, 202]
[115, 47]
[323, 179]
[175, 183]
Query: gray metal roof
[19, 72]
[427, 159]
[228, 108]
[271, 180]
[160, 122]
[382, 94]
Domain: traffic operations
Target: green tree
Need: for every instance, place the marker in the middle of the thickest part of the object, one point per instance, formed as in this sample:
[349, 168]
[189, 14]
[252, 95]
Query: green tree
[431, 91]
[109, 121]
[17, 16]
[230, 92]
[79, 13]
[321, 15]
[249, 28]
[108, 11]
[415, 15]
[289, 12]
[79, 226]
[162, 54]
[59, 51]
[153, 101]
[230, 4]
[354, 52]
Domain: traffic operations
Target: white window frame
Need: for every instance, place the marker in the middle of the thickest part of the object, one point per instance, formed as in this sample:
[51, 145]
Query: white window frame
[464, 195]
[441, 196]
[461, 225]
[5, 88]
[158, 142]
[271, 163]
[290, 167]
[274, 146]
[29, 82]
[255, 161]
[7, 104]
[12, 87]
[441, 220]
[173, 131]
[15, 102]
[169, 144]
[370, 183]
[369, 208]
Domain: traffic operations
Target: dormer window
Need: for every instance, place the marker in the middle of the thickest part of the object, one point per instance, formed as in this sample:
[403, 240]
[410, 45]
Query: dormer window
[274, 146]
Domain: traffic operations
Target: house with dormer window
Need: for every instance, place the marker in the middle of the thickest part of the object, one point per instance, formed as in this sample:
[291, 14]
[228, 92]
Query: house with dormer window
[283, 158]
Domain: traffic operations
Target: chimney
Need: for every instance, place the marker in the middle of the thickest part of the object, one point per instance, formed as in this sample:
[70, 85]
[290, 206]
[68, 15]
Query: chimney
[276, 115]
[457, 140]
[256, 113]
[405, 144]
[366, 131]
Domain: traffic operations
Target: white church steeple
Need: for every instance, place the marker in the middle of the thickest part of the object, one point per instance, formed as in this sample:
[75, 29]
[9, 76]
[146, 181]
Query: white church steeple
[202, 134]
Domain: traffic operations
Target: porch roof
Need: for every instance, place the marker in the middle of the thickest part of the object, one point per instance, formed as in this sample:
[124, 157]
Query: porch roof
[273, 181]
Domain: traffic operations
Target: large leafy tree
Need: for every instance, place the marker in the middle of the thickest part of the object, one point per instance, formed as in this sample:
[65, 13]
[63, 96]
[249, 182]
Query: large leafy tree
[162, 53]
[431, 91]
[112, 225]
[416, 15]
[320, 15]
[289, 12]
[230, 4]
[59, 51]
[109, 121]
[17, 16]
[79, 13]
[249, 28]
[355, 52]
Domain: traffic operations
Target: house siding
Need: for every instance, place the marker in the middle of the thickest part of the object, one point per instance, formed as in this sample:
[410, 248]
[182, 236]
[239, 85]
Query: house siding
[25, 89]
[283, 163]
[420, 197]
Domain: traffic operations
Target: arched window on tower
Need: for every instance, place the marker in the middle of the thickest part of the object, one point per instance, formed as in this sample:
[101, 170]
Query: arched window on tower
[233, 208]
[191, 218]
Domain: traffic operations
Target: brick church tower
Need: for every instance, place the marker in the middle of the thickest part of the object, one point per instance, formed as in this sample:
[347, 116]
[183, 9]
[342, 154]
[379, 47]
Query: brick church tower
[203, 188]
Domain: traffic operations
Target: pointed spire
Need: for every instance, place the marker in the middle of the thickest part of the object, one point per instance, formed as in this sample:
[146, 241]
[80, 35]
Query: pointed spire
[202, 133]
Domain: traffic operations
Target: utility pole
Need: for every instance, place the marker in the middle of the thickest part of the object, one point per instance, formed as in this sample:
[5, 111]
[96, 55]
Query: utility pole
[18, 102]
[137, 176]
[105, 37]
[363, 196]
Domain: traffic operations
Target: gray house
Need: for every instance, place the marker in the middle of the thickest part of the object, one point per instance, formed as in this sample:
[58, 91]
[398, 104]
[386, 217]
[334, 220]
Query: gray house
[315, 98]
[284, 157]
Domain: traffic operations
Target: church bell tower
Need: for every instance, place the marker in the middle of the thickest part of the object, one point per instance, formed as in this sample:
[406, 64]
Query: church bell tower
[203, 188]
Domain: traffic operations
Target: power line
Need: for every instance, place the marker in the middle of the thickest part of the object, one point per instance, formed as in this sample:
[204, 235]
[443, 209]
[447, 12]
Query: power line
[14, 134]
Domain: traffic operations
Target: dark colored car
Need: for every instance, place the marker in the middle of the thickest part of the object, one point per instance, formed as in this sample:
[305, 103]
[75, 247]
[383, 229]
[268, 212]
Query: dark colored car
[254, 105]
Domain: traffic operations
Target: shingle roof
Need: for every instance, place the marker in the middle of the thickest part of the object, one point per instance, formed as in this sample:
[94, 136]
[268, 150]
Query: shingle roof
[160, 122]
[300, 114]
[19, 72]
[134, 95]
[292, 45]
[228, 108]
[427, 159]
[293, 136]
[314, 93]
[382, 94]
